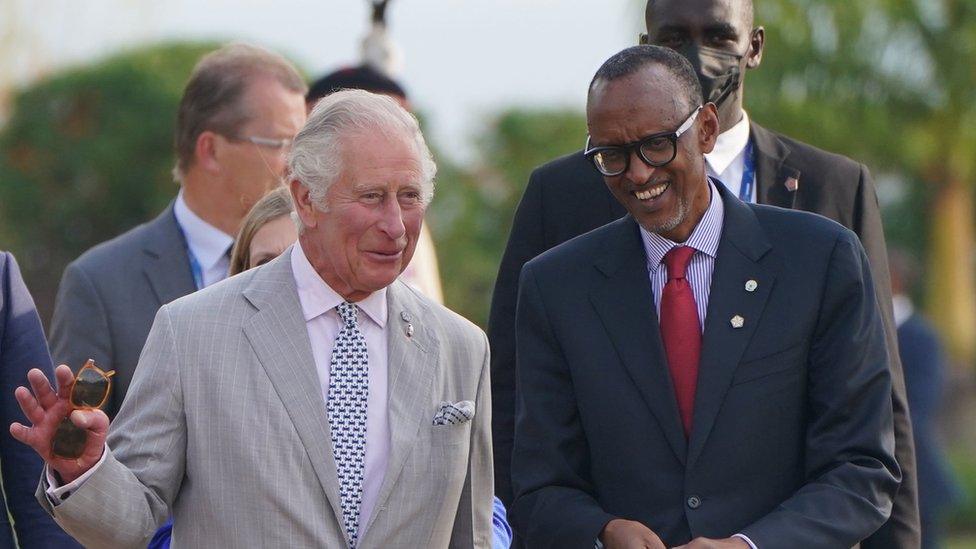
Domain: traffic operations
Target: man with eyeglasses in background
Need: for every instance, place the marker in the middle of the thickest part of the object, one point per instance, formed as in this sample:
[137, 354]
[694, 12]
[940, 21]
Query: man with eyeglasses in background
[238, 114]
[567, 197]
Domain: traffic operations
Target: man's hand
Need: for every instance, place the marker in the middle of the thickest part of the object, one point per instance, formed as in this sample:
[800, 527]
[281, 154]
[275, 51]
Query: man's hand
[705, 543]
[629, 534]
[45, 409]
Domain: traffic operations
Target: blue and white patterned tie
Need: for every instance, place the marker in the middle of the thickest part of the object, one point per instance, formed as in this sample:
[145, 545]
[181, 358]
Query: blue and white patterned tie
[348, 392]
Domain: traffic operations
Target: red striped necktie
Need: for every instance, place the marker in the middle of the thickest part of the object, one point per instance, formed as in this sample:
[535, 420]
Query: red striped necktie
[681, 331]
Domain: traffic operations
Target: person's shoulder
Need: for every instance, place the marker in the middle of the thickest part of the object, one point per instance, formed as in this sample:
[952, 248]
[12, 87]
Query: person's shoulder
[798, 225]
[214, 299]
[814, 161]
[116, 253]
[576, 253]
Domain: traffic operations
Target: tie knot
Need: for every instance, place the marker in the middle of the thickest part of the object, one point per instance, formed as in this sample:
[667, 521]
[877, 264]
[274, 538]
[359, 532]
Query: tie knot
[347, 312]
[677, 260]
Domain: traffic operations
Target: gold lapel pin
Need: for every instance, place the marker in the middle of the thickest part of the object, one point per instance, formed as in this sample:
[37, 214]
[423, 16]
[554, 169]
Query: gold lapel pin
[751, 285]
[738, 322]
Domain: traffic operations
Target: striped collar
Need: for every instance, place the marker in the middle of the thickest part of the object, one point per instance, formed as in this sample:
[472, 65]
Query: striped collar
[704, 238]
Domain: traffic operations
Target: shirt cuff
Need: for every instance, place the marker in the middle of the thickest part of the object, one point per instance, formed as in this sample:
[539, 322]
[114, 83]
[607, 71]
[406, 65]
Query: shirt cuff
[56, 493]
[746, 539]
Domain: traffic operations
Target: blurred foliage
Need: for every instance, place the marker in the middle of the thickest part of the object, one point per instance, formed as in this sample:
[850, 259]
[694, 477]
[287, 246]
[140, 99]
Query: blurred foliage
[86, 155]
[891, 83]
[962, 518]
[471, 215]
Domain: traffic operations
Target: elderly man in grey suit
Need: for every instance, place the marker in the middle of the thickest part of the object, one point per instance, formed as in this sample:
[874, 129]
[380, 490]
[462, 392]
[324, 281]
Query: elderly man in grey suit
[239, 112]
[312, 402]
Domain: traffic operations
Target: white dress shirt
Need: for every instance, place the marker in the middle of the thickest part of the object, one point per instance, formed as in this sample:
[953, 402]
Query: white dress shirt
[208, 244]
[319, 302]
[726, 162]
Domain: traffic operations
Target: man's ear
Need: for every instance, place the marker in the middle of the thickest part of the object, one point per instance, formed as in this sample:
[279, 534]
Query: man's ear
[708, 128]
[304, 206]
[207, 153]
[756, 45]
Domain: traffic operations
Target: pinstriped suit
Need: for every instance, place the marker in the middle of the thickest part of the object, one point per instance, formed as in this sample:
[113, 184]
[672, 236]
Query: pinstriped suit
[225, 426]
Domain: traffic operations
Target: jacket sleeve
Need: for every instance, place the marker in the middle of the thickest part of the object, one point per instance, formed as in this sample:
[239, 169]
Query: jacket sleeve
[553, 506]
[22, 347]
[902, 529]
[851, 471]
[526, 241]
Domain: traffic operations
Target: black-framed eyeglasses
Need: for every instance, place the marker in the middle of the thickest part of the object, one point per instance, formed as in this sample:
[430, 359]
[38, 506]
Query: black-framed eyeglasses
[656, 150]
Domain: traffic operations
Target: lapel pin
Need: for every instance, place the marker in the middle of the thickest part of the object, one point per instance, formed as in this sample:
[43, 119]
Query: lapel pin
[751, 285]
[407, 318]
[792, 184]
[737, 321]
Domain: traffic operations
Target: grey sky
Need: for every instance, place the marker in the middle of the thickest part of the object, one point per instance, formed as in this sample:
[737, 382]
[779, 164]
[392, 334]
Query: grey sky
[464, 59]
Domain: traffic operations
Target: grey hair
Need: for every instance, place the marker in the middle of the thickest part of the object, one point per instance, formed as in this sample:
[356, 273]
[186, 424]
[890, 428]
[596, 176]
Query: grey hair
[316, 153]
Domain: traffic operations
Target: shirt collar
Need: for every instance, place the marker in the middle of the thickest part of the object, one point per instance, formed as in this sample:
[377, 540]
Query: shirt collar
[208, 244]
[318, 298]
[729, 145]
[704, 238]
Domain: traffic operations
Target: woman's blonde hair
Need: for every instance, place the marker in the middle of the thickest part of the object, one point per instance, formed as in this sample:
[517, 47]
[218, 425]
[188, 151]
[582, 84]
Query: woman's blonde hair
[272, 206]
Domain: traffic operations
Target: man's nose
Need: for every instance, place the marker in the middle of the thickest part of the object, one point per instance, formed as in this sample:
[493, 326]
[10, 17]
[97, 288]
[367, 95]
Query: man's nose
[638, 171]
[391, 220]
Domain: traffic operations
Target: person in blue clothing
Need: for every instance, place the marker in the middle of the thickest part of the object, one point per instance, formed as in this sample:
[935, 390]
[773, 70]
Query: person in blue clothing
[22, 347]
[923, 360]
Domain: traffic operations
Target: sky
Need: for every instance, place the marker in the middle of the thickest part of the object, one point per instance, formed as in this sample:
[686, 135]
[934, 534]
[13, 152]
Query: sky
[463, 59]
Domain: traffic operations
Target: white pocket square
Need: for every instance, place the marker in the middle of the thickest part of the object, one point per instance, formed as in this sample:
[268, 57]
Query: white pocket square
[454, 413]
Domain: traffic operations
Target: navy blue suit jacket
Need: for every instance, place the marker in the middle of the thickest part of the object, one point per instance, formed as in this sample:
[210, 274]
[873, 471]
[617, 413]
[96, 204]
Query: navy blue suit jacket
[792, 442]
[22, 347]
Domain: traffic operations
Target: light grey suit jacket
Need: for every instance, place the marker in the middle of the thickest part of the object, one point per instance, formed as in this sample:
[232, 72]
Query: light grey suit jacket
[109, 296]
[225, 426]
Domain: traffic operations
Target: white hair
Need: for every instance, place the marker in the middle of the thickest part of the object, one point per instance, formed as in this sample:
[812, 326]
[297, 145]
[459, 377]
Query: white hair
[316, 154]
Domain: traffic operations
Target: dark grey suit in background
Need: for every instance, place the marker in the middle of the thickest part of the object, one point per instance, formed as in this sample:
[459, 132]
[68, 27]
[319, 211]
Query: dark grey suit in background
[109, 296]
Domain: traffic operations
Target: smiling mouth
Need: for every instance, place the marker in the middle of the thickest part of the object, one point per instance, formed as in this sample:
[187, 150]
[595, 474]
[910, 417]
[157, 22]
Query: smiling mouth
[652, 192]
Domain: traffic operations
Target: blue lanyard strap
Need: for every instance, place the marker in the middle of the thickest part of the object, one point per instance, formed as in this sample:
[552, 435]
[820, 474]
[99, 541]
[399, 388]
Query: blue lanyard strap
[196, 269]
[748, 173]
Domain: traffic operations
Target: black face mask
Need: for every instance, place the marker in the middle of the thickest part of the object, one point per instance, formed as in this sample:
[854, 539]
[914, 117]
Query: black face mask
[720, 74]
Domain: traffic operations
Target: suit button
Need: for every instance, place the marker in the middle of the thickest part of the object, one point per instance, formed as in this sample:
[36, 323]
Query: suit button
[694, 502]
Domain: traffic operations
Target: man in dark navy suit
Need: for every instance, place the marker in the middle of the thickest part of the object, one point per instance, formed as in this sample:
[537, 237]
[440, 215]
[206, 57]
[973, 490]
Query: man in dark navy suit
[702, 373]
[22, 347]
[567, 197]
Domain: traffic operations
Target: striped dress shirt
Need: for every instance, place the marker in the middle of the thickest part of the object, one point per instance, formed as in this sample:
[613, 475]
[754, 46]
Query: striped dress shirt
[704, 239]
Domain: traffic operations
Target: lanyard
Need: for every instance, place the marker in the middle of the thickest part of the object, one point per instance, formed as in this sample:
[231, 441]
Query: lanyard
[748, 174]
[195, 268]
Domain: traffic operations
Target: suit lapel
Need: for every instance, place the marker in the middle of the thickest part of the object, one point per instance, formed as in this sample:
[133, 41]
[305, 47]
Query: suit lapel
[412, 359]
[737, 262]
[773, 169]
[625, 303]
[165, 262]
[279, 337]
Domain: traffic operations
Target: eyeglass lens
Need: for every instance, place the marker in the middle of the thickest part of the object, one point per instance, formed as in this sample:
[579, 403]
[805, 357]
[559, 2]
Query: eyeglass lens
[90, 389]
[656, 151]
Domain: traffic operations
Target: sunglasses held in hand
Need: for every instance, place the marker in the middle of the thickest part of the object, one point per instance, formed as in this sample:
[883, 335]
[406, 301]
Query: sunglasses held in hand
[89, 391]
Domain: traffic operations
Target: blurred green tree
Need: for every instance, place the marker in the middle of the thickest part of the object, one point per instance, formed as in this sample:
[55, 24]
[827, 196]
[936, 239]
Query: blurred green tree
[892, 83]
[87, 154]
[471, 215]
